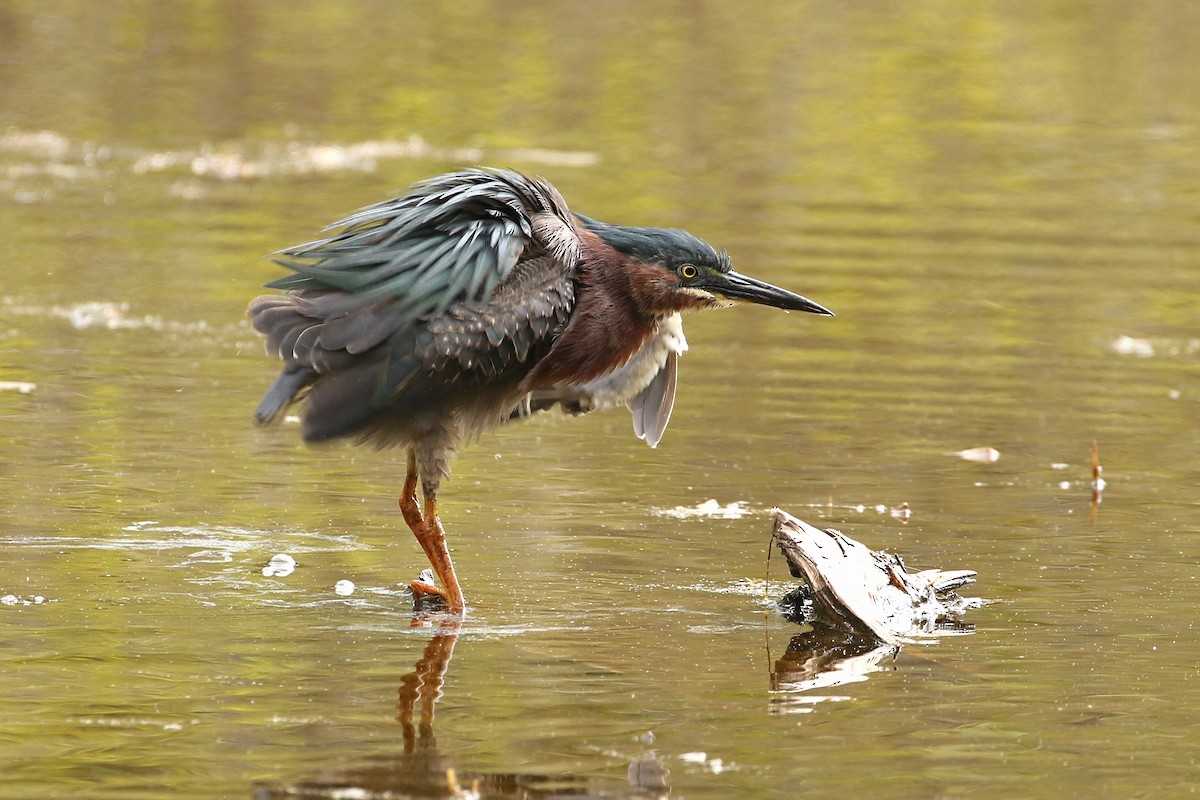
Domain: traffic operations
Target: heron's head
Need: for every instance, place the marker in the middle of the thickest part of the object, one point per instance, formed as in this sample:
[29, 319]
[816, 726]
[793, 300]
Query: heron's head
[684, 272]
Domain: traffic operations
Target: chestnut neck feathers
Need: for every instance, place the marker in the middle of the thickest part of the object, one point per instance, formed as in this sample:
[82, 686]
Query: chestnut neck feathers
[610, 322]
[626, 282]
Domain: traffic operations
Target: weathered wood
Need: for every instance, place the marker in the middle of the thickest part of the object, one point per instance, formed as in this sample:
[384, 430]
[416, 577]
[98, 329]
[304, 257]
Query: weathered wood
[858, 589]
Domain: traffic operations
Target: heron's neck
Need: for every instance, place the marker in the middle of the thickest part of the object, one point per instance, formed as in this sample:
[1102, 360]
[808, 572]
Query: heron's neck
[610, 322]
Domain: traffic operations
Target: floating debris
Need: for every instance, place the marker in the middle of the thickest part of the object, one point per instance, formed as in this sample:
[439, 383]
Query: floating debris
[310, 158]
[20, 387]
[15, 600]
[111, 316]
[982, 455]
[280, 566]
[714, 765]
[243, 161]
[102, 315]
[901, 511]
[344, 588]
[1149, 348]
[38, 144]
[863, 591]
[709, 508]
[1129, 346]
[35, 163]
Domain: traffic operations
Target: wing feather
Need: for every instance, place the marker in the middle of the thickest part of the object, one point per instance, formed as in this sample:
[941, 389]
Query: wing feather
[452, 239]
[652, 406]
[465, 279]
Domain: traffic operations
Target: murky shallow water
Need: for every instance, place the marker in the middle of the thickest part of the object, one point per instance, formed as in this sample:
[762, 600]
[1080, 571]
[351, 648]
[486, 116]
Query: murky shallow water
[1005, 222]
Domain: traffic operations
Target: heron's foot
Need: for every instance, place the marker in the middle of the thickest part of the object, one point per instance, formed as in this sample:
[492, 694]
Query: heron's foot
[433, 541]
[427, 529]
[427, 596]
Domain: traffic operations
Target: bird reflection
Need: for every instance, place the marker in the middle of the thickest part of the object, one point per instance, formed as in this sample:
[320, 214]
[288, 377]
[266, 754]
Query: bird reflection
[423, 686]
[424, 770]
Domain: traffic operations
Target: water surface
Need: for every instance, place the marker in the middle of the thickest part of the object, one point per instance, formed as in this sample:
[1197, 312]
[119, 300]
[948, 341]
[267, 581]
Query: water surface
[1001, 204]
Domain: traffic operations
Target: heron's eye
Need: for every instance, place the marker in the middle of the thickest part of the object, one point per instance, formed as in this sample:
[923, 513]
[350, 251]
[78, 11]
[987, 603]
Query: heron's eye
[688, 272]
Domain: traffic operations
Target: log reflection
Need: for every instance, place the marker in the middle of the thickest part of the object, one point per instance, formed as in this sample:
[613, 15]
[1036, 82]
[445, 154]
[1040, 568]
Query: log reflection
[824, 658]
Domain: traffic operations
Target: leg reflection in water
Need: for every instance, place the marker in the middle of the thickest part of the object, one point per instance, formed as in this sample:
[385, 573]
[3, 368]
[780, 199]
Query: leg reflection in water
[424, 686]
[423, 770]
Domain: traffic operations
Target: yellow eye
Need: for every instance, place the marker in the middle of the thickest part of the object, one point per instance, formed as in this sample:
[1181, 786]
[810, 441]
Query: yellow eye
[687, 272]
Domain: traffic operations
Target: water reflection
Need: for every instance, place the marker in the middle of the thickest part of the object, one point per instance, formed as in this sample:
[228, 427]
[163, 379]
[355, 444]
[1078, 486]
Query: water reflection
[423, 687]
[824, 658]
[1098, 482]
[423, 769]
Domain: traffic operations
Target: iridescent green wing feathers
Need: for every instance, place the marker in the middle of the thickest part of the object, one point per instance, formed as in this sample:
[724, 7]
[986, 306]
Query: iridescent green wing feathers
[452, 238]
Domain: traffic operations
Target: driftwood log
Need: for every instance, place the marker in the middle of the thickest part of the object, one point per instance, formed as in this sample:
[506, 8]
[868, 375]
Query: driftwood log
[856, 589]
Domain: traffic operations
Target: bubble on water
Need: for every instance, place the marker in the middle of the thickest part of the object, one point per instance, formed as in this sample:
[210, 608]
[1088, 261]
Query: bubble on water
[1150, 348]
[280, 566]
[709, 508]
[1130, 346]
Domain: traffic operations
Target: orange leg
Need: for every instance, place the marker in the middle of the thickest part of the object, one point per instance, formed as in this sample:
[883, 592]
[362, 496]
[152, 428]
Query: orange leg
[409, 506]
[427, 529]
[433, 540]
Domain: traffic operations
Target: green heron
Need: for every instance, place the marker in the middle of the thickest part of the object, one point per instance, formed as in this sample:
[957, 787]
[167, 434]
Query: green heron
[428, 319]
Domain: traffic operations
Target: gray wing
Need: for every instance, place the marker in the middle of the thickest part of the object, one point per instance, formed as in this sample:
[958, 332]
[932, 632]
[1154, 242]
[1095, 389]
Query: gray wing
[471, 345]
[652, 406]
[452, 239]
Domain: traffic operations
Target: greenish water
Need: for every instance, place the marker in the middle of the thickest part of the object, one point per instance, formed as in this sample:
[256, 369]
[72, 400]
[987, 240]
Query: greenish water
[1001, 202]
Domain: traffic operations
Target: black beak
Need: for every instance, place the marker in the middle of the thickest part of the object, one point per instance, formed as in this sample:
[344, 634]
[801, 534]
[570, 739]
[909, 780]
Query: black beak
[736, 286]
